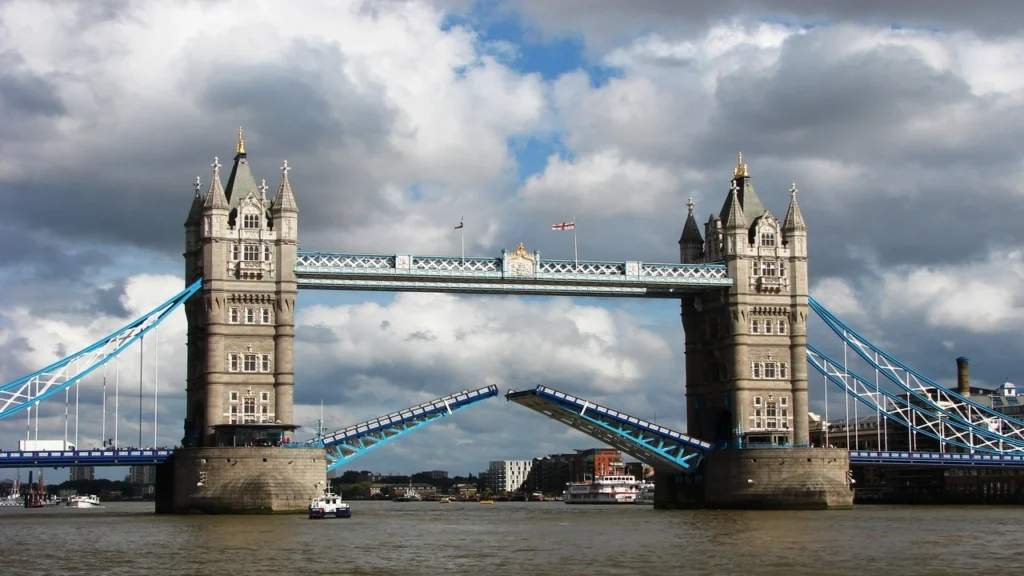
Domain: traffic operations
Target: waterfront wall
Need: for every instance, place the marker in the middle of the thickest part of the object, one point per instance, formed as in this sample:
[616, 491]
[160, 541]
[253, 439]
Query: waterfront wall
[241, 480]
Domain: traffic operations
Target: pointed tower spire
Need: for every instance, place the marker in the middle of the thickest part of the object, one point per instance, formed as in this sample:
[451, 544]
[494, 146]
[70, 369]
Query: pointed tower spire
[195, 214]
[794, 218]
[285, 200]
[691, 244]
[733, 217]
[215, 198]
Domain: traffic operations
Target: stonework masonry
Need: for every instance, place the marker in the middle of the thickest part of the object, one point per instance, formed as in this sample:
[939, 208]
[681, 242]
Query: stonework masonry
[241, 480]
[241, 328]
[746, 367]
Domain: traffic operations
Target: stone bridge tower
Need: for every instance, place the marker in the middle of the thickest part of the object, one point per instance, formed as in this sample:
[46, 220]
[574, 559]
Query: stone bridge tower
[241, 325]
[746, 368]
[239, 385]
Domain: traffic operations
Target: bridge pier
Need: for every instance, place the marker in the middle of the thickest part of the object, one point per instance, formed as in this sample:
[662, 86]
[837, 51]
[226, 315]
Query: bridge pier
[762, 478]
[240, 480]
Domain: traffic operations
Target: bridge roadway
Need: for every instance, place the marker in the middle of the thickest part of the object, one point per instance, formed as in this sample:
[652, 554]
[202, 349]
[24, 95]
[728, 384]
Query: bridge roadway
[519, 272]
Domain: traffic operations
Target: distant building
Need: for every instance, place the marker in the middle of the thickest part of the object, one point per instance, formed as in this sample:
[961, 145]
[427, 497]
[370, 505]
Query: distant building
[142, 475]
[435, 474]
[596, 462]
[550, 474]
[505, 476]
[82, 473]
[638, 470]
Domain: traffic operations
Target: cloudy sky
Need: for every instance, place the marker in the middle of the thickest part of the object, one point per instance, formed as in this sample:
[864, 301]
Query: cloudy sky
[900, 124]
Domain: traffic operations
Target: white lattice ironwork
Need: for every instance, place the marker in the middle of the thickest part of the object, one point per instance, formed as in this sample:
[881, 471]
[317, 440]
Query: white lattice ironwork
[456, 264]
[920, 418]
[353, 261]
[685, 271]
[570, 267]
[37, 386]
[924, 390]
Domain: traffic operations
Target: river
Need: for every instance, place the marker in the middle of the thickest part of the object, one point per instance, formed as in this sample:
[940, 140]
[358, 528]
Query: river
[549, 538]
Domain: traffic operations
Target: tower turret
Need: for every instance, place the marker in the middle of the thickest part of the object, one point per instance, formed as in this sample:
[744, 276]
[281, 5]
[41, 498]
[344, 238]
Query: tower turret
[691, 244]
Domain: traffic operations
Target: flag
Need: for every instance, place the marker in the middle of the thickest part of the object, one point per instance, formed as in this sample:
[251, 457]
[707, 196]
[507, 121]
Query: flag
[564, 226]
[459, 227]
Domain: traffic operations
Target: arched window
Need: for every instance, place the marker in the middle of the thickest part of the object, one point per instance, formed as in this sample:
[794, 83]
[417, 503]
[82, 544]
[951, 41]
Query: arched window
[251, 221]
[767, 239]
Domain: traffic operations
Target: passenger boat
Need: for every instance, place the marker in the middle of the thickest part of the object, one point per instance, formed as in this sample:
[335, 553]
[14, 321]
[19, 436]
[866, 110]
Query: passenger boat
[603, 490]
[329, 504]
[444, 500]
[88, 501]
[646, 494]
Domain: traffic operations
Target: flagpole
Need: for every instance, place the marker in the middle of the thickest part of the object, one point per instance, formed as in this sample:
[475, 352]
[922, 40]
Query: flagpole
[575, 252]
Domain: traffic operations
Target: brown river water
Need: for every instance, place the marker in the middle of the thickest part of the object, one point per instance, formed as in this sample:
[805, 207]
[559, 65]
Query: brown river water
[544, 538]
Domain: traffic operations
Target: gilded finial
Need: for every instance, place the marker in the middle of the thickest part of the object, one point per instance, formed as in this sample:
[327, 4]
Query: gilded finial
[741, 168]
[240, 149]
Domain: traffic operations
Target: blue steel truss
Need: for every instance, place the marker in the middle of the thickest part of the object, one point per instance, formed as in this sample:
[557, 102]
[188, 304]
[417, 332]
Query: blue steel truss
[349, 443]
[863, 457]
[951, 404]
[519, 272]
[28, 390]
[913, 410]
[651, 444]
[82, 458]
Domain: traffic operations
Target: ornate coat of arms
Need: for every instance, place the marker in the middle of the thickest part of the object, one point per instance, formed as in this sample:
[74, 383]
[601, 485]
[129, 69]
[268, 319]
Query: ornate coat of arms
[521, 262]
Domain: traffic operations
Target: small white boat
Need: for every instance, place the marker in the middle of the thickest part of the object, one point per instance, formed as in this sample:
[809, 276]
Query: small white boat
[329, 505]
[88, 501]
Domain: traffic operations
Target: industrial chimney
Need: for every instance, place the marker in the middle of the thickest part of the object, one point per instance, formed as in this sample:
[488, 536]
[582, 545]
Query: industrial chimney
[963, 377]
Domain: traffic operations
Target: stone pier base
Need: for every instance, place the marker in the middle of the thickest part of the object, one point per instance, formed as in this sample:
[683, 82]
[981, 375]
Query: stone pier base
[240, 480]
[762, 478]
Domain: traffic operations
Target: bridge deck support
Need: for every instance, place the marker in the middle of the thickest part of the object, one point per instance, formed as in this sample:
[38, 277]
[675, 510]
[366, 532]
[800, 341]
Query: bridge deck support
[240, 480]
[762, 478]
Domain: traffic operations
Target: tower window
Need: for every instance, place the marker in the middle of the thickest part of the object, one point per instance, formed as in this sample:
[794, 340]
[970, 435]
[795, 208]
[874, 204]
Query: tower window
[250, 316]
[233, 396]
[251, 221]
[784, 401]
[265, 364]
[755, 326]
[784, 374]
[265, 315]
[782, 326]
[767, 326]
[782, 268]
[251, 252]
[234, 251]
[266, 253]
[769, 370]
[264, 396]
[755, 368]
[758, 401]
[233, 315]
[233, 415]
[768, 269]
[232, 362]
[767, 239]
[250, 363]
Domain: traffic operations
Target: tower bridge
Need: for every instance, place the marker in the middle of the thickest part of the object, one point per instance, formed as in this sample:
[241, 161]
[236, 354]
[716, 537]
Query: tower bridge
[742, 282]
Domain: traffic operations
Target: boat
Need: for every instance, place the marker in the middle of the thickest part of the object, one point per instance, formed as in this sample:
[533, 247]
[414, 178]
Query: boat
[487, 501]
[444, 500]
[88, 501]
[603, 490]
[408, 495]
[329, 504]
[646, 494]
